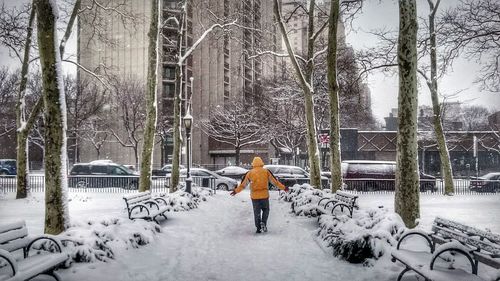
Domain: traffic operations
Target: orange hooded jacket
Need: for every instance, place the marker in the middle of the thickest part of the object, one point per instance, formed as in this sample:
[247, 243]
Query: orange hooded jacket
[259, 178]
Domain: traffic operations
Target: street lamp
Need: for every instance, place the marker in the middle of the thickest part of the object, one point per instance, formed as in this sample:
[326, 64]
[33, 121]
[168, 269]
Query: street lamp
[188, 122]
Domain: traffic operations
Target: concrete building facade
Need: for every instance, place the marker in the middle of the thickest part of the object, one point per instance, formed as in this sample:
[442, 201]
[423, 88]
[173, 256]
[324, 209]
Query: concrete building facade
[220, 67]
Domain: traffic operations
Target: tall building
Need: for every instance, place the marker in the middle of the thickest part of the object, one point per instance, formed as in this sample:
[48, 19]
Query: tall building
[220, 65]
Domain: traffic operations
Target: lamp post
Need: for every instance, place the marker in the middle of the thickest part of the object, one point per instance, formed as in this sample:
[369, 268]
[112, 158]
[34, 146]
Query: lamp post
[188, 122]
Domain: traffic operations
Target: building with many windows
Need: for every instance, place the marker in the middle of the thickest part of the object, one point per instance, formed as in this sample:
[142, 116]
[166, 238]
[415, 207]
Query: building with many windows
[221, 67]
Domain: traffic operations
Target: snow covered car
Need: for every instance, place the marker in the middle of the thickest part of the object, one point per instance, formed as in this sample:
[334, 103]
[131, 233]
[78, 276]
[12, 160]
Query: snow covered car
[8, 167]
[290, 175]
[167, 169]
[223, 183]
[487, 183]
[367, 175]
[102, 174]
[233, 172]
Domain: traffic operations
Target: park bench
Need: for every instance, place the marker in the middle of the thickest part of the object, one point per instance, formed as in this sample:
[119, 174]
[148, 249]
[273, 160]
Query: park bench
[145, 206]
[14, 237]
[478, 246]
[341, 199]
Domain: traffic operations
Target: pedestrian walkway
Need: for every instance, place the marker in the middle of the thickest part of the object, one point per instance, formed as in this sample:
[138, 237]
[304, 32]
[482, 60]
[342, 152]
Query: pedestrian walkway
[218, 242]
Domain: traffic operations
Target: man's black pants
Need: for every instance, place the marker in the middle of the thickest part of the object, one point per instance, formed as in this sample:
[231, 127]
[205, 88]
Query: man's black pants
[260, 211]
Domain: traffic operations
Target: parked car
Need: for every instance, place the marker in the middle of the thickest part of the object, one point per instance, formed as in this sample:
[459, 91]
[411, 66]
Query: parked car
[167, 169]
[102, 173]
[8, 167]
[221, 182]
[233, 172]
[290, 175]
[369, 175]
[486, 183]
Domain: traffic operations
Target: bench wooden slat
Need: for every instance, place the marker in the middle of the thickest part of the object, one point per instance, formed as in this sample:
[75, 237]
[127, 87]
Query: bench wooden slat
[495, 238]
[483, 245]
[12, 225]
[13, 234]
[15, 244]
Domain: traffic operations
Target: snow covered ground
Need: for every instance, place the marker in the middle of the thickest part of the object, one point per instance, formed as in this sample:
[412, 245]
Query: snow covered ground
[217, 241]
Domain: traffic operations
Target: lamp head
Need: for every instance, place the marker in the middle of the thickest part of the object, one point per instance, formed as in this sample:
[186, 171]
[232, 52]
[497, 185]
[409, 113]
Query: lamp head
[188, 121]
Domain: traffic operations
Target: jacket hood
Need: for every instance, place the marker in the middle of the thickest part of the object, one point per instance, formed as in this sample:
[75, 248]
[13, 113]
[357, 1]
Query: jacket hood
[257, 162]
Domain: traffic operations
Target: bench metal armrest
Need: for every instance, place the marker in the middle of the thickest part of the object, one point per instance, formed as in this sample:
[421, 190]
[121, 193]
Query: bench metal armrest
[342, 205]
[453, 249]
[160, 200]
[10, 260]
[419, 233]
[53, 239]
[322, 199]
[332, 200]
[151, 203]
[140, 206]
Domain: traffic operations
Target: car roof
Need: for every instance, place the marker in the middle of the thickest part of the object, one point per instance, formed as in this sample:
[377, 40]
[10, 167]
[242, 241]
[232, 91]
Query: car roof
[368, 162]
[281, 166]
[489, 175]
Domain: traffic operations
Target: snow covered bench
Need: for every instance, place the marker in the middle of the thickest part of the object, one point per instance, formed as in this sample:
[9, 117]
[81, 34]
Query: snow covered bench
[340, 200]
[14, 237]
[146, 207]
[478, 246]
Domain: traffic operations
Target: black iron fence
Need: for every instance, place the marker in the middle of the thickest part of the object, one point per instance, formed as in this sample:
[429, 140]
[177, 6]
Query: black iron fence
[462, 186]
[94, 183]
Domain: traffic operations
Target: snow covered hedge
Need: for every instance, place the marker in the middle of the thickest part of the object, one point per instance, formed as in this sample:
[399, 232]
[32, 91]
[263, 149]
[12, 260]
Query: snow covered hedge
[368, 235]
[182, 201]
[90, 241]
[304, 199]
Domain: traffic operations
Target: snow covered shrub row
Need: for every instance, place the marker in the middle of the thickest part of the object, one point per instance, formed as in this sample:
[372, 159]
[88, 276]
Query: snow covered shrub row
[90, 241]
[180, 200]
[304, 199]
[369, 234]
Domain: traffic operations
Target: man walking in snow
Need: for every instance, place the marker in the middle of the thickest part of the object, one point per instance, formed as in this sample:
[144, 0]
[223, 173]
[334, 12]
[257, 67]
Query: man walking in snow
[259, 178]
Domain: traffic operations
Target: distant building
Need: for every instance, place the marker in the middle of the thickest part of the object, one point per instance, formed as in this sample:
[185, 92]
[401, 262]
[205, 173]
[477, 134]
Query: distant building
[220, 66]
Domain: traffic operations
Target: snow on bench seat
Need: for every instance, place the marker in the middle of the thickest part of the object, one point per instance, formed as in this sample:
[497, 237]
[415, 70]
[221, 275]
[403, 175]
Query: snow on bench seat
[145, 206]
[420, 263]
[38, 264]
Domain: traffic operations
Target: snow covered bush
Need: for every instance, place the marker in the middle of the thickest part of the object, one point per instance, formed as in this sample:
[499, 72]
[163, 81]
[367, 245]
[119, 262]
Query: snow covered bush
[370, 234]
[182, 201]
[90, 241]
[304, 199]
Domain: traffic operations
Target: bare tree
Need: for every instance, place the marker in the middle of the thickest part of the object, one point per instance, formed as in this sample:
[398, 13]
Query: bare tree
[95, 132]
[84, 101]
[56, 204]
[184, 51]
[407, 201]
[8, 88]
[151, 92]
[472, 28]
[234, 124]
[130, 100]
[305, 75]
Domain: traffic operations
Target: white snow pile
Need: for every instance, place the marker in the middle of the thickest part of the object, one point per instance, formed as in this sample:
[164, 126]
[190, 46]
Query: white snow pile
[180, 200]
[90, 241]
[304, 199]
[367, 236]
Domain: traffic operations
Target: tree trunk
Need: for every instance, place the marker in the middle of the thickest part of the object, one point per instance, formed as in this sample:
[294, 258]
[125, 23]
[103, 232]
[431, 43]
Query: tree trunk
[56, 208]
[407, 178]
[237, 151]
[335, 160]
[150, 127]
[22, 126]
[444, 155]
[305, 82]
[177, 110]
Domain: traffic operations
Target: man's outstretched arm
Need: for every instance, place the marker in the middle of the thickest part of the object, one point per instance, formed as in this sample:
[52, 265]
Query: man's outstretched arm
[275, 182]
[242, 185]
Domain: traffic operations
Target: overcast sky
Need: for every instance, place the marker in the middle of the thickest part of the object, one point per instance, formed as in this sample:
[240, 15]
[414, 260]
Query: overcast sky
[375, 14]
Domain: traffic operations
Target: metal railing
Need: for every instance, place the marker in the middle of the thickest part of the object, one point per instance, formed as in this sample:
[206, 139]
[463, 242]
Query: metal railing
[96, 183]
[462, 186]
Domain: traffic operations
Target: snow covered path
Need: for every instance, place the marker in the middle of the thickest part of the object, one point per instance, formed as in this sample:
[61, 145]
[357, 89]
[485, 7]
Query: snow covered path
[217, 242]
